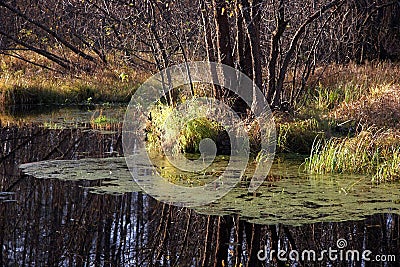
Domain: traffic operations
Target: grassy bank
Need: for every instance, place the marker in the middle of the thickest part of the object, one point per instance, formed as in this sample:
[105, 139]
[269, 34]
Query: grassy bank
[348, 123]
[25, 84]
[364, 104]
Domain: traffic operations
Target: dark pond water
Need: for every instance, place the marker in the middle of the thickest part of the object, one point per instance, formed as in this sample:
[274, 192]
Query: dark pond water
[57, 117]
[87, 212]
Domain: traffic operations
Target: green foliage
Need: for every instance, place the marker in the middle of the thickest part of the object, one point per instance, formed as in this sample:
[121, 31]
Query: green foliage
[367, 153]
[196, 130]
[171, 129]
[100, 119]
[124, 77]
[327, 98]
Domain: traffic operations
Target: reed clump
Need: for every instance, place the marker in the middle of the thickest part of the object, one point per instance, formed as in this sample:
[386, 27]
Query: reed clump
[373, 152]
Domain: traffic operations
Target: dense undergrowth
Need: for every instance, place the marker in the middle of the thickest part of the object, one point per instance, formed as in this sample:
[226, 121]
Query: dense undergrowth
[170, 130]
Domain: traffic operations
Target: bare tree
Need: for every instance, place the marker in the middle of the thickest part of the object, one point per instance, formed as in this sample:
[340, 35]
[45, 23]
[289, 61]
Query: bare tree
[276, 43]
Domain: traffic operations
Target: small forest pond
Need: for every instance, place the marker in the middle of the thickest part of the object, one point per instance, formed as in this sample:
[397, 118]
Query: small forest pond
[68, 199]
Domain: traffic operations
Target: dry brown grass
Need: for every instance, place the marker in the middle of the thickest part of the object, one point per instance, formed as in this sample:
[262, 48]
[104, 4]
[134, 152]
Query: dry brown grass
[380, 107]
[23, 83]
[368, 94]
[362, 77]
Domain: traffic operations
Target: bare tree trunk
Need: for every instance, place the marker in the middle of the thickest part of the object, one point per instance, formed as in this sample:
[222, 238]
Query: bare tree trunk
[223, 43]
[209, 46]
[172, 96]
[252, 47]
[273, 57]
[293, 44]
[252, 61]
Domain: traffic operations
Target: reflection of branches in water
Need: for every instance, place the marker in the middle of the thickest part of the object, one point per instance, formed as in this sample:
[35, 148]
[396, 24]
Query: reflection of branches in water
[15, 140]
[185, 237]
[32, 143]
[55, 222]
[60, 223]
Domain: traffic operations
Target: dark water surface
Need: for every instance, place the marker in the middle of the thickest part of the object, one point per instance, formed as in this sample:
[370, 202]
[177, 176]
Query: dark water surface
[109, 222]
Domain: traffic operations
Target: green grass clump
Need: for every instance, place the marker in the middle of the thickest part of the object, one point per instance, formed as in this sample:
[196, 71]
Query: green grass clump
[176, 133]
[298, 136]
[102, 119]
[374, 153]
[327, 98]
[103, 122]
[196, 130]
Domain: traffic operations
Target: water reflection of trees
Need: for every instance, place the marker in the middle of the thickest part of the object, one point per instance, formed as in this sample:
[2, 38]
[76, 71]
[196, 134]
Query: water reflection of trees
[31, 143]
[59, 223]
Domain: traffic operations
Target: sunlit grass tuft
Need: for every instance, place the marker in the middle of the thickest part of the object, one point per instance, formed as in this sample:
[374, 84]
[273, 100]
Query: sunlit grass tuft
[370, 152]
[103, 122]
[169, 128]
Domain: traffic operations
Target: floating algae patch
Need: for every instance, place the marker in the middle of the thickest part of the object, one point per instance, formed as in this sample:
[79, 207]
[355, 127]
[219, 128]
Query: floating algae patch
[288, 195]
[112, 173]
[304, 199]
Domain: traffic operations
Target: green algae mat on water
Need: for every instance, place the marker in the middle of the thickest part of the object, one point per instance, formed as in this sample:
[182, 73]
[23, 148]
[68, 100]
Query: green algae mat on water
[287, 196]
[112, 172]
